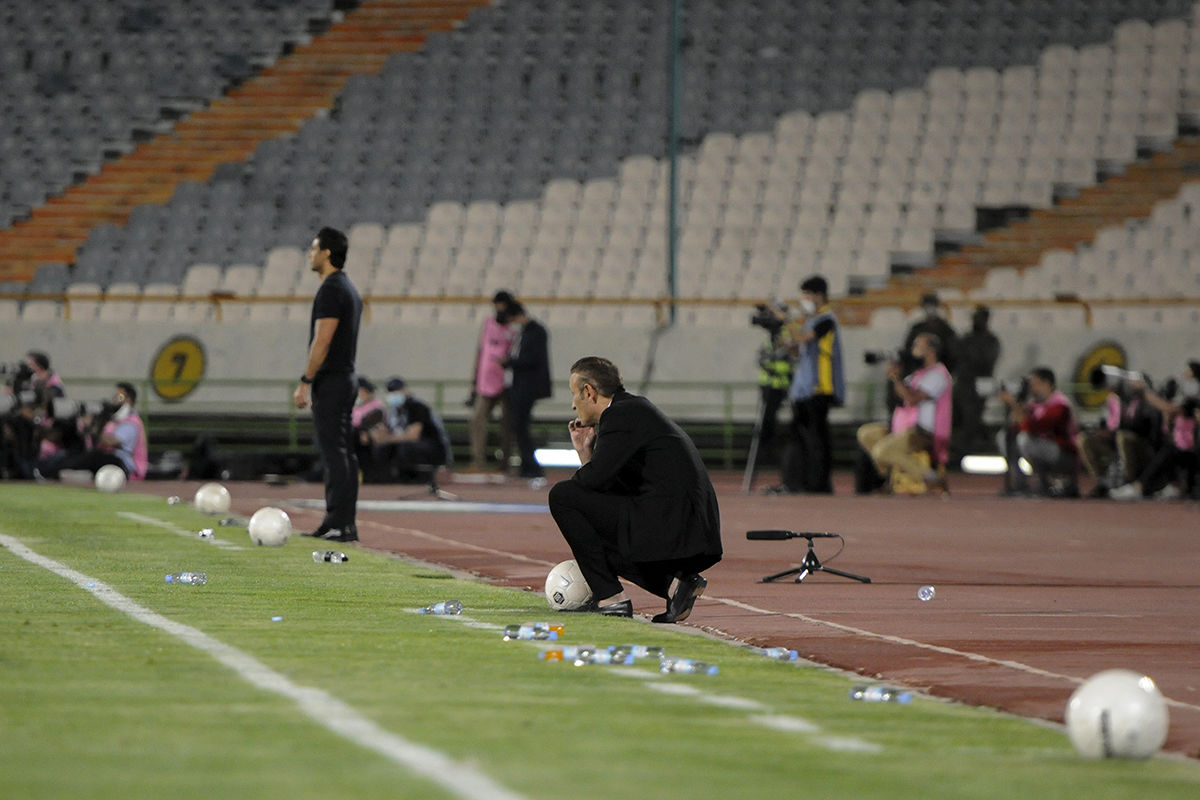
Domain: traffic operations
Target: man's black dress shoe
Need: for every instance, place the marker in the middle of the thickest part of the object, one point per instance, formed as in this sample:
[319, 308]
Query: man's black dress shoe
[346, 534]
[621, 608]
[679, 605]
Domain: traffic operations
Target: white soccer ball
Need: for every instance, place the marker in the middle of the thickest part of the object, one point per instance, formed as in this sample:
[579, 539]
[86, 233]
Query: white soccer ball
[566, 590]
[212, 498]
[110, 478]
[270, 527]
[1117, 714]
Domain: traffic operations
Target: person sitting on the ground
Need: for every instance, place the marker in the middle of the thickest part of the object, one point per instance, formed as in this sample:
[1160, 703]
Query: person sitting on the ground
[1043, 431]
[114, 436]
[1116, 453]
[921, 424]
[1177, 454]
[416, 439]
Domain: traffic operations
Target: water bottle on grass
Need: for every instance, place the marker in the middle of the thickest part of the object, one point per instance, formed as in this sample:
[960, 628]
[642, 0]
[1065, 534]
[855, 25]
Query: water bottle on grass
[446, 607]
[880, 694]
[687, 666]
[187, 578]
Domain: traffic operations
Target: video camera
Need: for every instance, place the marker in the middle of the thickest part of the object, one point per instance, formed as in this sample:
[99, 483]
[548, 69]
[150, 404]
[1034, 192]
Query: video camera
[1018, 388]
[1107, 376]
[16, 376]
[881, 356]
[763, 317]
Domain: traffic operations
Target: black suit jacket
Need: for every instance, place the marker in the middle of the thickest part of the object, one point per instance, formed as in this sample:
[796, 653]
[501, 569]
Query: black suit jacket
[641, 454]
[530, 363]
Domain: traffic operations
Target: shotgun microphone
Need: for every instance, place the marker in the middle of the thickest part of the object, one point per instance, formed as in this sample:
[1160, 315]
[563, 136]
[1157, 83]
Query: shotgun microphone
[780, 535]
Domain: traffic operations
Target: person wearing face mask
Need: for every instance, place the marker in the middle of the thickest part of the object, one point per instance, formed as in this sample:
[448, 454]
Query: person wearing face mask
[1045, 430]
[115, 436]
[818, 384]
[488, 391]
[1177, 455]
[411, 434]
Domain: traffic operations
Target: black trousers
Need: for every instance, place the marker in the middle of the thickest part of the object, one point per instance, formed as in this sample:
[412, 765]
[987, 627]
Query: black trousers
[589, 522]
[808, 466]
[520, 409]
[332, 400]
[91, 460]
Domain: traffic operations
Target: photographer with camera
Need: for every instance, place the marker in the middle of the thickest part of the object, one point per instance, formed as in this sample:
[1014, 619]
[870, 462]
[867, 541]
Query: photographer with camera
[818, 383]
[775, 369]
[114, 435]
[1116, 453]
[921, 424]
[1177, 454]
[1042, 430]
[27, 415]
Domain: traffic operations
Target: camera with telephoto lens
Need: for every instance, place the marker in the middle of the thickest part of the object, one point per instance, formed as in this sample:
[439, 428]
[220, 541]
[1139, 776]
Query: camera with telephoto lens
[16, 376]
[1018, 388]
[1107, 376]
[881, 356]
[763, 317]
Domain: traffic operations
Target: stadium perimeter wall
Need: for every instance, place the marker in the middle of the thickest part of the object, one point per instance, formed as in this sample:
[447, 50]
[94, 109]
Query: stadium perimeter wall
[253, 351]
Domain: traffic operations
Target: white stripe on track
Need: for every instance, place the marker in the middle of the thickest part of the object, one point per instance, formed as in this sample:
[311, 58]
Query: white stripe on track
[175, 529]
[320, 706]
[937, 648]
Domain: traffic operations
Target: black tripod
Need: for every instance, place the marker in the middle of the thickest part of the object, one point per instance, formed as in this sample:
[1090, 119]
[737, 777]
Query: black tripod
[811, 563]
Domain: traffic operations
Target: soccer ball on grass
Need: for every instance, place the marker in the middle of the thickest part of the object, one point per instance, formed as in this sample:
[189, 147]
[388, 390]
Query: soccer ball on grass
[270, 527]
[212, 498]
[1117, 714]
[110, 478]
[566, 590]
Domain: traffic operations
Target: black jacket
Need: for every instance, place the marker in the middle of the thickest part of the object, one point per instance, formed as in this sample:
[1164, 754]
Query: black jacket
[530, 362]
[641, 454]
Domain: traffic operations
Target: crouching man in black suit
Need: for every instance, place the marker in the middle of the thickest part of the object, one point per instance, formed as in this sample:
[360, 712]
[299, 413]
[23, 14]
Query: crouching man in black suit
[642, 506]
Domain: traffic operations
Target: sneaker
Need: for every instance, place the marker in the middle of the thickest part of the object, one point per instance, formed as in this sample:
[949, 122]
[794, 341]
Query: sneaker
[1126, 492]
[1168, 492]
[346, 534]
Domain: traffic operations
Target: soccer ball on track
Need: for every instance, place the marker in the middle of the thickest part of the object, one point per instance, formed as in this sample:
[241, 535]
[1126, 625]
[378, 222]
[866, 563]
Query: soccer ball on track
[566, 590]
[270, 527]
[1117, 714]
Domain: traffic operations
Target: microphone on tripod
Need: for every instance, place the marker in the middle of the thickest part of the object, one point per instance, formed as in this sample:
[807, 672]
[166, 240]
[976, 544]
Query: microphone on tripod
[780, 535]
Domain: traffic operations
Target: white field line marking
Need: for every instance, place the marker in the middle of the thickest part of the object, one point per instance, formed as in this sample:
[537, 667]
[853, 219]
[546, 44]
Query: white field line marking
[175, 529]
[320, 706]
[901, 640]
[457, 543]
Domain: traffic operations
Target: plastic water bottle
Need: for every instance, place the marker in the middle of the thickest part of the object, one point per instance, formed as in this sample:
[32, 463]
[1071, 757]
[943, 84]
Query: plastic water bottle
[536, 631]
[588, 657]
[187, 578]
[173, 500]
[780, 654]
[639, 651]
[332, 556]
[926, 593]
[566, 653]
[447, 607]
[205, 533]
[687, 666]
[880, 694]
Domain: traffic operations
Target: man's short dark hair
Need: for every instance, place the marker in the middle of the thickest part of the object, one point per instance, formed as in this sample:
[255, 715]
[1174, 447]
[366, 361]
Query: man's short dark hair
[816, 284]
[1044, 373]
[130, 392]
[599, 373]
[336, 243]
[41, 359]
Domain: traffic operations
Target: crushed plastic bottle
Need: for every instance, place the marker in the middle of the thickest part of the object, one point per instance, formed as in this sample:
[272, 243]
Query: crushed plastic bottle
[205, 533]
[687, 666]
[332, 556]
[880, 694]
[567, 652]
[532, 630]
[187, 578]
[588, 657]
[445, 607]
[780, 653]
[926, 593]
[173, 500]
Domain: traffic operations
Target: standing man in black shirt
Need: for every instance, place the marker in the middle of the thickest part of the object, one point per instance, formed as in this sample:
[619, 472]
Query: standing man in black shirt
[329, 373]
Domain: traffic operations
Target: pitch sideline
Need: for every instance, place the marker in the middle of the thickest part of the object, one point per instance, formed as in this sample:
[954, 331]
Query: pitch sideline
[318, 705]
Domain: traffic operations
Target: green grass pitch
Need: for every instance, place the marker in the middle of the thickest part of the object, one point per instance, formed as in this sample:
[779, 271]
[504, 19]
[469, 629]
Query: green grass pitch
[96, 704]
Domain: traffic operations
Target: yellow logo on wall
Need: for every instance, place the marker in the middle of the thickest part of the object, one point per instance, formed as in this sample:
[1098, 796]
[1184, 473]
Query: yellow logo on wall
[1110, 354]
[178, 368]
